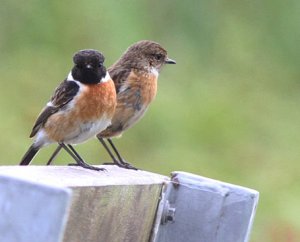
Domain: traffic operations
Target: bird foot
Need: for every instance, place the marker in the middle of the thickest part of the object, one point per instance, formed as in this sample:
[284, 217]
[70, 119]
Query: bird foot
[124, 165]
[87, 166]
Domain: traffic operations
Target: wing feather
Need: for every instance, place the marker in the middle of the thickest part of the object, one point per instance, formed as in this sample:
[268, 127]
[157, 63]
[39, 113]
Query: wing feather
[63, 94]
[119, 75]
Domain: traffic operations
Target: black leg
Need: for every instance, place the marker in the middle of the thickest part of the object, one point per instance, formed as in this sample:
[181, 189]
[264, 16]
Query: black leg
[116, 151]
[75, 152]
[53, 156]
[78, 159]
[115, 161]
[122, 163]
[69, 152]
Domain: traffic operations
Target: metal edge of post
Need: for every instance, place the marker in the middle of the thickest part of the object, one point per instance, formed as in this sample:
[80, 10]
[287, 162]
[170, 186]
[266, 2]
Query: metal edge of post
[64, 193]
[160, 210]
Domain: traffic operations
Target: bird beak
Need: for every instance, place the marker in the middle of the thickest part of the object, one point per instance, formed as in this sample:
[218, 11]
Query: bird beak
[170, 61]
[88, 66]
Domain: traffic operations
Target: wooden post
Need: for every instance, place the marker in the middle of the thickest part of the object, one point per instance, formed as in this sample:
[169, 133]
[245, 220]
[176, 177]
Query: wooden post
[117, 205]
[71, 204]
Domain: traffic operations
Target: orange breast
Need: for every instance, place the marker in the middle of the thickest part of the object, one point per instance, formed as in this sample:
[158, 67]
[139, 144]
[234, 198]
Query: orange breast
[134, 97]
[146, 83]
[94, 103]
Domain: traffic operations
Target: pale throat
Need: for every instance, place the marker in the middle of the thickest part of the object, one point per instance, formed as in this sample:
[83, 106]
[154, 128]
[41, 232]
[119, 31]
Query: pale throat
[154, 71]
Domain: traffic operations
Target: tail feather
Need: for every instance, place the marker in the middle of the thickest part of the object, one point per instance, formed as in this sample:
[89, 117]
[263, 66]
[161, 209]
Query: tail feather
[31, 152]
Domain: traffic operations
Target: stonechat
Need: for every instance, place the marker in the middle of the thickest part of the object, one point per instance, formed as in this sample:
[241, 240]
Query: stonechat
[135, 76]
[81, 107]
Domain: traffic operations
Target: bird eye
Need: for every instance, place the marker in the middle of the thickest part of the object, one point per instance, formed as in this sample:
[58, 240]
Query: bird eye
[158, 57]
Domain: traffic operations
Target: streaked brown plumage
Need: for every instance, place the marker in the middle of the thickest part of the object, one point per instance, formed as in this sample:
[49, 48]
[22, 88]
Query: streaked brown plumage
[133, 99]
[135, 76]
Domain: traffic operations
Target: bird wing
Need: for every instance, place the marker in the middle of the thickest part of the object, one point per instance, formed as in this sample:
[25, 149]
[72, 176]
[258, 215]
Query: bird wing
[119, 75]
[63, 94]
[129, 101]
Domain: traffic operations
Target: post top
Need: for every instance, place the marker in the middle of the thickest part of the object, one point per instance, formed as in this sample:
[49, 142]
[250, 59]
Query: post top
[70, 176]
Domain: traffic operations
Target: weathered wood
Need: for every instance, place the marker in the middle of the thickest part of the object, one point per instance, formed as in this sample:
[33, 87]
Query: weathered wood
[119, 213]
[117, 205]
[72, 176]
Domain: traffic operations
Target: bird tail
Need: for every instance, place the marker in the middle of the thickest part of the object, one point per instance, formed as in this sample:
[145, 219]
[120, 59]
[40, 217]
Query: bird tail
[31, 152]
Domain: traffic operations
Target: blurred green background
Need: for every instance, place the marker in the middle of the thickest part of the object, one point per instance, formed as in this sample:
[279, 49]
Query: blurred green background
[228, 110]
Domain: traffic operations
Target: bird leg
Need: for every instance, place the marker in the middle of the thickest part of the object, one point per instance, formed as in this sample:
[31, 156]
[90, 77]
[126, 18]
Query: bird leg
[120, 162]
[53, 156]
[79, 161]
[115, 161]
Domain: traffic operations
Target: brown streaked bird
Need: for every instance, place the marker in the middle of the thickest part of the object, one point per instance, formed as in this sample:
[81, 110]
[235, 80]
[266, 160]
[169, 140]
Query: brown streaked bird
[81, 107]
[135, 76]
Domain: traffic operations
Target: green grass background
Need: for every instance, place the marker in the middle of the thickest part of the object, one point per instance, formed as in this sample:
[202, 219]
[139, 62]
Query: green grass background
[228, 110]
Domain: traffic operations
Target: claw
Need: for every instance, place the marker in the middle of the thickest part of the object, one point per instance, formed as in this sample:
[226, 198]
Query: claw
[124, 165]
[87, 166]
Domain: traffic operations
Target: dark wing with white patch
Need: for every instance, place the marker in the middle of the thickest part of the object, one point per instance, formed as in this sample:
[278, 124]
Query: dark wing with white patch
[63, 94]
[118, 75]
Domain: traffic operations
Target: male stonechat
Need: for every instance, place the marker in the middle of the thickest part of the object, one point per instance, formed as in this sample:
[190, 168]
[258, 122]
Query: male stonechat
[81, 106]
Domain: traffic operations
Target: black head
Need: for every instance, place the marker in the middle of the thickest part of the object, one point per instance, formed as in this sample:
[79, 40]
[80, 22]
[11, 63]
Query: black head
[88, 68]
[147, 54]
